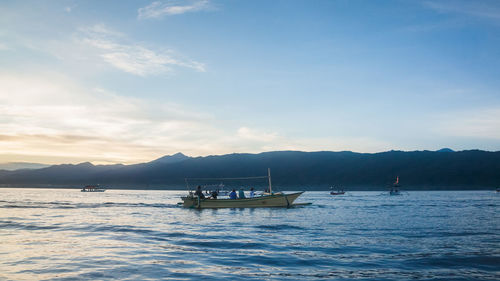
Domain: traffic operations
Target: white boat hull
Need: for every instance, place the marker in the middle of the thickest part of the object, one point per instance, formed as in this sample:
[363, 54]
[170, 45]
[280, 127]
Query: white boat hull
[275, 200]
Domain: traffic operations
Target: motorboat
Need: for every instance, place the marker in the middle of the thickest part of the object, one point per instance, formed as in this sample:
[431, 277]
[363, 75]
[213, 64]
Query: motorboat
[93, 188]
[338, 192]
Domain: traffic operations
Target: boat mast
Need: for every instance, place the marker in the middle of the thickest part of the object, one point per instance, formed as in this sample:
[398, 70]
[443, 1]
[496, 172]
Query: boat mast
[269, 177]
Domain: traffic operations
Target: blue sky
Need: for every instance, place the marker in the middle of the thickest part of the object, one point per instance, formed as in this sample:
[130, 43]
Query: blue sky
[130, 81]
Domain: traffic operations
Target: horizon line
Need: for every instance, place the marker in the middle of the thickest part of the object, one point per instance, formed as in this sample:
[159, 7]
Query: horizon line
[445, 149]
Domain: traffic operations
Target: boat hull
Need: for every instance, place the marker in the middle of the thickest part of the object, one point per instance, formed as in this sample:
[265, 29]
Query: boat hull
[337, 193]
[276, 200]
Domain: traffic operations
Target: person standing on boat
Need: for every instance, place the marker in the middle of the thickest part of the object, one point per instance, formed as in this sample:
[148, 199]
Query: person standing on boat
[232, 195]
[199, 193]
[252, 193]
[241, 194]
[214, 194]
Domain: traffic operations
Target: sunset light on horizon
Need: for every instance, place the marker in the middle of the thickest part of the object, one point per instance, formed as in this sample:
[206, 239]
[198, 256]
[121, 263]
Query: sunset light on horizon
[130, 81]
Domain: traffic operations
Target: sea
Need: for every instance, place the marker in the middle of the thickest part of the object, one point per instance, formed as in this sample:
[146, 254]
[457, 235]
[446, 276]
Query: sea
[65, 234]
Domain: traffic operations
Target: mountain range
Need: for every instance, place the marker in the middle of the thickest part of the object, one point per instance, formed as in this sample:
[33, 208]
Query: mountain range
[11, 166]
[291, 170]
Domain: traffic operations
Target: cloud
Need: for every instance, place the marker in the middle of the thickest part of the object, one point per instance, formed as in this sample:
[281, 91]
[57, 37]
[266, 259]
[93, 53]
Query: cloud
[256, 135]
[482, 123]
[160, 9]
[98, 47]
[50, 118]
[485, 9]
[258, 140]
[136, 59]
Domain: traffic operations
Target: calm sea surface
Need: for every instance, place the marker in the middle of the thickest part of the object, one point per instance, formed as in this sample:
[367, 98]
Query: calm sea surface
[54, 234]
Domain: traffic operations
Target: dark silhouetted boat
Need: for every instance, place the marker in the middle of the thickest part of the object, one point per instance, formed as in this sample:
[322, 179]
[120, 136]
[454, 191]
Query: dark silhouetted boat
[338, 192]
[395, 187]
[93, 188]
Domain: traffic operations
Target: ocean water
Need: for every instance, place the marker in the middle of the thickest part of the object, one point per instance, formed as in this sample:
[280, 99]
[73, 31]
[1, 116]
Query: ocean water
[64, 234]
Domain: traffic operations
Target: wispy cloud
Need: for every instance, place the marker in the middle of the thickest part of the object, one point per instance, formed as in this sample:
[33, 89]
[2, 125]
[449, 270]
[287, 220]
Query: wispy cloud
[481, 123]
[160, 9]
[113, 48]
[256, 135]
[69, 9]
[485, 9]
[49, 118]
[52, 116]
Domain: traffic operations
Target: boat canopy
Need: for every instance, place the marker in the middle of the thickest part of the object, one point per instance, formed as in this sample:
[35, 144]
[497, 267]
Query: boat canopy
[221, 180]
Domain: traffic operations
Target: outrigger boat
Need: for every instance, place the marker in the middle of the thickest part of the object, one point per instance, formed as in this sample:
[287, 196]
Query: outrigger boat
[93, 188]
[268, 199]
[395, 188]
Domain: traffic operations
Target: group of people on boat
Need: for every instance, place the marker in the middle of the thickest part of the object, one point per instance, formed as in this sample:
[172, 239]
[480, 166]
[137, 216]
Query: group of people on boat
[232, 195]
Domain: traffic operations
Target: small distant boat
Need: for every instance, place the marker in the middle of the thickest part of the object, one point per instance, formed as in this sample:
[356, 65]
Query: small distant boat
[395, 187]
[93, 188]
[338, 192]
[395, 192]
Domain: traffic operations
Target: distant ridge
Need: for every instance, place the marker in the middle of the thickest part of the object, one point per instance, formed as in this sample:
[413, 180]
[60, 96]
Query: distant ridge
[445, 150]
[178, 157]
[11, 166]
[443, 169]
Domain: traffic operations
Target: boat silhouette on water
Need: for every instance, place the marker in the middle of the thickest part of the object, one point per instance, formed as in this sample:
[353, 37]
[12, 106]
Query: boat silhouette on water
[338, 192]
[266, 199]
[395, 188]
[92, 188]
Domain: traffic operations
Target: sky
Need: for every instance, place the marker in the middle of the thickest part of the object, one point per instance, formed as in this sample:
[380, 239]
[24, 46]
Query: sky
[131, 81]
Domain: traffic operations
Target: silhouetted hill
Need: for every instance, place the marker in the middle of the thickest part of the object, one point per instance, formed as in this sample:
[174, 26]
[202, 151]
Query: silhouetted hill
[178, 157]
[11, 166]
[445, 150]
[472, 169]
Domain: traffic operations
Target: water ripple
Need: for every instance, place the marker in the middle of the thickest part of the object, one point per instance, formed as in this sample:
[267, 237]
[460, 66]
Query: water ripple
[145, 235]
